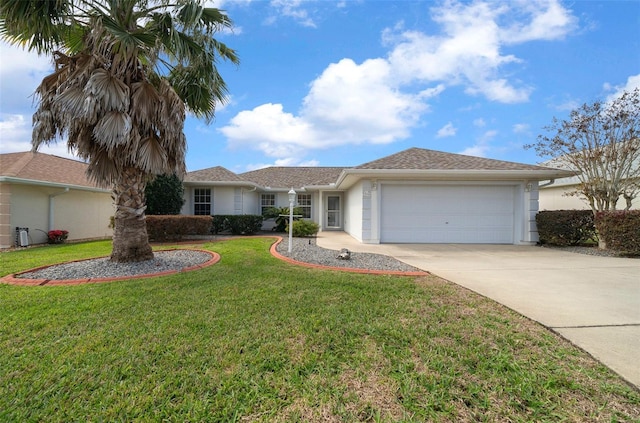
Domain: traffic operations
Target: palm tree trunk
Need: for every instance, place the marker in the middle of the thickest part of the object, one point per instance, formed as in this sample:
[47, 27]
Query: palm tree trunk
[130, 240]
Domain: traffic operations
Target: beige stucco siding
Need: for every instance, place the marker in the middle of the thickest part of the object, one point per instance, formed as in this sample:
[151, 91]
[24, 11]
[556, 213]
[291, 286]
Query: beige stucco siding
[555, 198]
[85, 214]
[6, 235]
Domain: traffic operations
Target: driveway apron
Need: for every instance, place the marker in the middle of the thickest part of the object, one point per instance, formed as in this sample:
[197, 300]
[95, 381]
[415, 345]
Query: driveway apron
[592, 301]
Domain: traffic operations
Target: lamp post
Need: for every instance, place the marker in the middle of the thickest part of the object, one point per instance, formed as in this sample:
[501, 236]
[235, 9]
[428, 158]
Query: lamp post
[292, 200]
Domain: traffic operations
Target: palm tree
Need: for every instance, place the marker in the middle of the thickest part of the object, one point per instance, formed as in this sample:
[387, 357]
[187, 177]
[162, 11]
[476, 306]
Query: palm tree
[126, 72]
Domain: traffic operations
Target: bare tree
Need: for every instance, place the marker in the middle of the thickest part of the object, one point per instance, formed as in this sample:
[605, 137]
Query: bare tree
[601, 142]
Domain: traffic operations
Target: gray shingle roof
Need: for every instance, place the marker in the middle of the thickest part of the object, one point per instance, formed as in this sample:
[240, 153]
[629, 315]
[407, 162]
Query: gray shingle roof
[217, 173]
[45, 168]
[293, 177]
[423, 159]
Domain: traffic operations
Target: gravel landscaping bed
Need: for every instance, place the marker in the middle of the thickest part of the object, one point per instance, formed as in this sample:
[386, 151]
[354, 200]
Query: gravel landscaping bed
[306, 250]
[303, 250]
[102, 268]
[592, 251]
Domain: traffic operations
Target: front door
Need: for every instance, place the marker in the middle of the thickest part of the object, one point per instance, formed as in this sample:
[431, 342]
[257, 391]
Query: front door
[333, 213]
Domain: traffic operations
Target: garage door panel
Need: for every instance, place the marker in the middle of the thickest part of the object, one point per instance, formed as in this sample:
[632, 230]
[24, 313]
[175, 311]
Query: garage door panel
[447, 214]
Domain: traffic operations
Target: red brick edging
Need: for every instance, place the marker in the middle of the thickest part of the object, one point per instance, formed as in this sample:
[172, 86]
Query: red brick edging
[276, 254]
[14, 279]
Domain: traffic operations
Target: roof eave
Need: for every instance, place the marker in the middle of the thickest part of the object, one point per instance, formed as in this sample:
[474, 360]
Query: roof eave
[35, 182]
[350, 176]
[240, 184]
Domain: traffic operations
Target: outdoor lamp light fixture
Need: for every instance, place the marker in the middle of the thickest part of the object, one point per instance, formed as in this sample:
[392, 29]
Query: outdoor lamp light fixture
[292, 200]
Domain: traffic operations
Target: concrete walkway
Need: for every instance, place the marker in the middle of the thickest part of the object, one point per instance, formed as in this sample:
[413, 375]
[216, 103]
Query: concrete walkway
[592, 301]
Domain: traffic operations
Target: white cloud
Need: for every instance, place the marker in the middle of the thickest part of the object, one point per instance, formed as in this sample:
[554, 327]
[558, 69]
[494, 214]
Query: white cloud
[482, 147]
[371, 102]
[282, 162]
[347, 104]
[469, 49]
[521, 128]
[544, 20]
[291, 9]
[447, 131]
[480, 123]
[632, 83]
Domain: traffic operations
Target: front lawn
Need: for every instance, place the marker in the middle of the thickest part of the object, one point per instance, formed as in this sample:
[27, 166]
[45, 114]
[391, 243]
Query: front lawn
[253, 338]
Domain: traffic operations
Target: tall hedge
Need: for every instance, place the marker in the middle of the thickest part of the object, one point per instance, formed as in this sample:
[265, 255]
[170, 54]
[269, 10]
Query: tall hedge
[175, 227]
[620, 230]
[566, 227]
[240, 224]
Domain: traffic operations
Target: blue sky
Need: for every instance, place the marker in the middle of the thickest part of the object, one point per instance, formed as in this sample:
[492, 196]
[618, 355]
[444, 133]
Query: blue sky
[340, 83]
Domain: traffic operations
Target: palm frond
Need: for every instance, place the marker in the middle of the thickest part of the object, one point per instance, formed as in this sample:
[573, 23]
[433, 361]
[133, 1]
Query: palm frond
[38, 25]
[152, 157]
[111, 93]
[112, 130]
[70, 102]
[145, 104]
[103, 169]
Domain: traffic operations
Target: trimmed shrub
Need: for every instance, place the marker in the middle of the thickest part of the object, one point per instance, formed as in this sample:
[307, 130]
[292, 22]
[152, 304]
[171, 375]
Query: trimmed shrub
[304, 228]
[175, 227]
[620, 230]
[281, 216]
[219, 223]
[245, 224]
[566, 227]
[242, 224]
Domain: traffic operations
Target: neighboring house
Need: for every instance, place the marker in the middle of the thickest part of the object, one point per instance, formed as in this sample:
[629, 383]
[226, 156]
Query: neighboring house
[42, 192]
[554, 196]
[414, 196]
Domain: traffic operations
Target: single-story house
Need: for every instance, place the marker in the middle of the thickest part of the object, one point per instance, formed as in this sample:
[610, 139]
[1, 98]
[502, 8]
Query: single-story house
[43, 192]
[554, 196]
[414, 196]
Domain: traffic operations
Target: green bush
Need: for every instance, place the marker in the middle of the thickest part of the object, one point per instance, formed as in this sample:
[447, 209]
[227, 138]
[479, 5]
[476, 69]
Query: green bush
[304, 228]
[175, 227]
[281, 216]
[620, 230]
[164, 195]
[219, 223]
[243, 224]
[566, 227]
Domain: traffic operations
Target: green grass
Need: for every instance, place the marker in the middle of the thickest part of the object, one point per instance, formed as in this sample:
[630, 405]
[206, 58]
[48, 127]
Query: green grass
[256, 339]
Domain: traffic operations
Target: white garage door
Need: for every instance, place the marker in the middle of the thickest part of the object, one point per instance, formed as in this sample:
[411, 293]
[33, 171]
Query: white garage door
[463, 214]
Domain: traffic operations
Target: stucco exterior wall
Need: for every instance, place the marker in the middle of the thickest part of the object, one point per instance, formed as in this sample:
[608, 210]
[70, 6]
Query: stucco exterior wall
[84, 214]
[555, 198]
[354, 200]
[6, 234]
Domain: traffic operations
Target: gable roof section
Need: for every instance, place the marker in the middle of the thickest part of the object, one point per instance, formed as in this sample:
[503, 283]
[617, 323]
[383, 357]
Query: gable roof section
[217, 174]
[423, 159]
[413, 163]
[423, 164]
[293, 177]
[45, 169]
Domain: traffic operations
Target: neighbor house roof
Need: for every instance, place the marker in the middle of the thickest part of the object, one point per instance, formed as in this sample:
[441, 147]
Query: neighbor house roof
[44, 169]
[293, 177]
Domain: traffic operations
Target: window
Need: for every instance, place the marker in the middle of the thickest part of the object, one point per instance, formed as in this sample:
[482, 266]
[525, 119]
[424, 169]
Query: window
[267, 201]
[304, 203]
[202, 201]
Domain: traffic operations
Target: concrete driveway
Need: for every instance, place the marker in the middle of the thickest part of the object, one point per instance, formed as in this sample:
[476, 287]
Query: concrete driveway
[592, 301]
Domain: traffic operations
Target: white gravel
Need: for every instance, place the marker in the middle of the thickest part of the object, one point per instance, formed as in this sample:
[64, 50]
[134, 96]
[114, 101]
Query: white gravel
[102, 268]
[306, 250]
